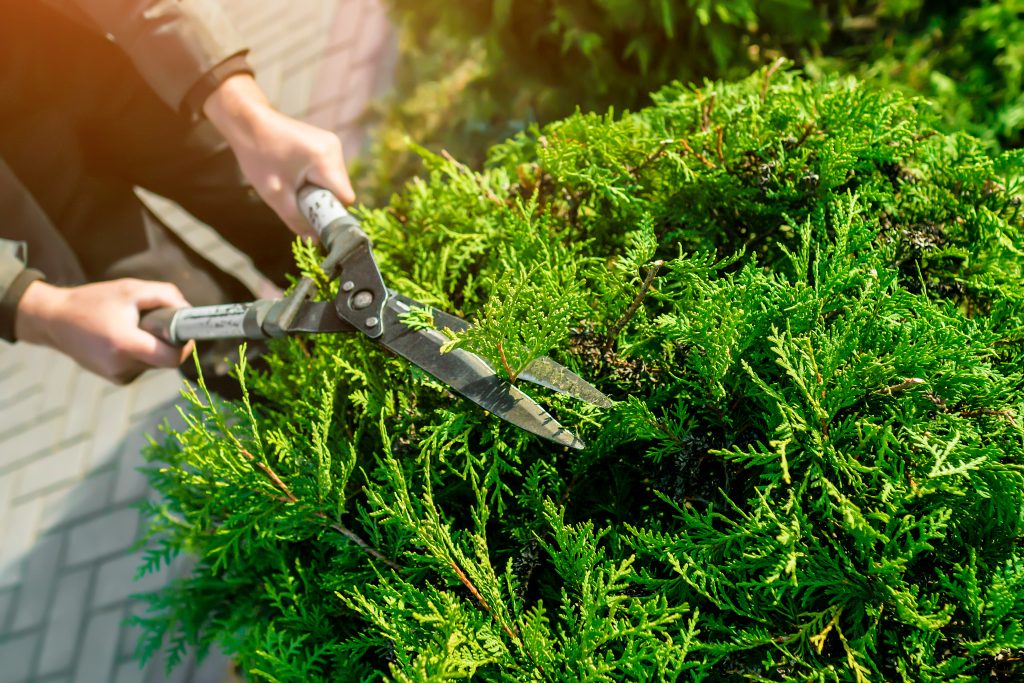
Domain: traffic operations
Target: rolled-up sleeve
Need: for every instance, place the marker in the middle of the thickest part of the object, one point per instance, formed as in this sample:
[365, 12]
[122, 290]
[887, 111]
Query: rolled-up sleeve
[14, 280]
[177, 45]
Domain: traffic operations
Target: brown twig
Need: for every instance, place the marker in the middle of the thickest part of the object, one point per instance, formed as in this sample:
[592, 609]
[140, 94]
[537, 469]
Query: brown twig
[705, 113]
[768, 75]
[700, 157]
[511, 631]
[650, 158]
[908, 383]
[512, 376]
[637, 300]
[718, 145]
[291, 498]
[806, 134]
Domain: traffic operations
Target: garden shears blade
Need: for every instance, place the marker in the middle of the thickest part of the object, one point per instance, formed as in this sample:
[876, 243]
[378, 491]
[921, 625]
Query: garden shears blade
[541, 371]
[364, 304]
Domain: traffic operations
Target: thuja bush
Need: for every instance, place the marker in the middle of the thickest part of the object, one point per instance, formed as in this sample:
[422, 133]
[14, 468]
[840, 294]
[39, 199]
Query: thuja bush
[806, 305]
[476, 72]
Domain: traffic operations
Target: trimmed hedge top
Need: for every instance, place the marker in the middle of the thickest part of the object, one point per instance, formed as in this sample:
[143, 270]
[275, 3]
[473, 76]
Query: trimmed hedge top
[806, 304]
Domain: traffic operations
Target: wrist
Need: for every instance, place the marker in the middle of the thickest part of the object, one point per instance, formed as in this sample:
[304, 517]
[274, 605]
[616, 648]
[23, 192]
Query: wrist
[36, 309]
[236, 108]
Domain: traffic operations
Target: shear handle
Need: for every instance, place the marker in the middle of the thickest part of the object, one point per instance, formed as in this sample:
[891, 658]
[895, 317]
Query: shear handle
[228, 321]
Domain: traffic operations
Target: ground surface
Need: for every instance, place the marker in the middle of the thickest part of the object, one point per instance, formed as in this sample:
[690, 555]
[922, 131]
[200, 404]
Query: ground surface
[69, 442]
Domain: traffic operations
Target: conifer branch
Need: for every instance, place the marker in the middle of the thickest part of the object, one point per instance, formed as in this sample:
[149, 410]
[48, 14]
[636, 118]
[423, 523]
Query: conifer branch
[511, 631]
[291, 498]
[637, 300]
[652, 157]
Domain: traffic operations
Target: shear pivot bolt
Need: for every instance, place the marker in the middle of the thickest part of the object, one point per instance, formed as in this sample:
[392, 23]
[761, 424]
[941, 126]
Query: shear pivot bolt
[348, 286]
[362, 299]
[372, 322]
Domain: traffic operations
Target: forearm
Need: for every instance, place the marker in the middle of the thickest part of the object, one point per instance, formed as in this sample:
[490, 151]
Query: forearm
[236, 108]
[277, 153]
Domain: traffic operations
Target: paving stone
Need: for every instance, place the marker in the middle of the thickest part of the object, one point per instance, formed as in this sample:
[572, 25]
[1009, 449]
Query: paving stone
[63, 466]
[83, 404]
[131, 483]
[8, 485]
[36, 434]
[155, 389]
[213, 669]
[16, 658]
[112, 532]
[108, 431]
[96, 659]
[6, 605]
[36, 590]
[60, 643]
[130, 672]
[328, 89]
[116, 581]
[349, 109]
[58, 378]
[19, 534]
[68, 506]
[130, 634]
[27, 401]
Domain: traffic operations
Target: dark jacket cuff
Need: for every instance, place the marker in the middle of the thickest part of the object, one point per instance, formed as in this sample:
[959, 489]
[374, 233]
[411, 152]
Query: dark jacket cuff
[211, 80]
[10, 299]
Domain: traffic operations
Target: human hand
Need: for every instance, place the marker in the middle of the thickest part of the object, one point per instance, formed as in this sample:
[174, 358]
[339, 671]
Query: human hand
[277, 154]
[97, 325]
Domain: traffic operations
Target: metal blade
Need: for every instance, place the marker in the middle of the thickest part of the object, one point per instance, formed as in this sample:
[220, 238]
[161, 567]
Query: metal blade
[469, 375]
[541, 371]
[547, 373]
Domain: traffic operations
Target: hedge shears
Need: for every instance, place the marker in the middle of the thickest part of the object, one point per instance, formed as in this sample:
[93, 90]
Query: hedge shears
[365, 305]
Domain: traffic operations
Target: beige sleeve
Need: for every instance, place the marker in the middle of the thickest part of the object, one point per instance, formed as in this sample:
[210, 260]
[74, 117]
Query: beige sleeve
[174, 44]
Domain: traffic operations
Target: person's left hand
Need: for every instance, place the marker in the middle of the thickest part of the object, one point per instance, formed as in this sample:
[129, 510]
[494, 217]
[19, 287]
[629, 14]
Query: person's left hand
[277, 154]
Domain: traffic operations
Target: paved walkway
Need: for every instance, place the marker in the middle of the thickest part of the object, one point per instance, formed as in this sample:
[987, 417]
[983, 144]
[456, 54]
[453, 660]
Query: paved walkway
[70, 442]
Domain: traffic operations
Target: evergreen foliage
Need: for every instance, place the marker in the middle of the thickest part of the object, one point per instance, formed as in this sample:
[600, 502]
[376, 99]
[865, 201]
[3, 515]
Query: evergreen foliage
[478, 71]
[807, 305]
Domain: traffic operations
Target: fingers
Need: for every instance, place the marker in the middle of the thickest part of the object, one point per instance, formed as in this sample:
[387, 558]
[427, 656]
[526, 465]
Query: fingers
[334, 177]
[143, 346]
[152, 351]
[148, 295]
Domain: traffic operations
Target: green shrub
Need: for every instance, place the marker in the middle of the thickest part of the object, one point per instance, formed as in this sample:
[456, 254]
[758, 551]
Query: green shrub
[476, 72]
[813, 470]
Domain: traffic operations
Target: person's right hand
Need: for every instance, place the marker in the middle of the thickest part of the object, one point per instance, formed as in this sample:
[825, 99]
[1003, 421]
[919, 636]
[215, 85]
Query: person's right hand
[97, 325]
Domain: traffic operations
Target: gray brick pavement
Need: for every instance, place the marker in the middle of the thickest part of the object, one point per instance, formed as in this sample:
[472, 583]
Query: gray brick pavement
[69, 442]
